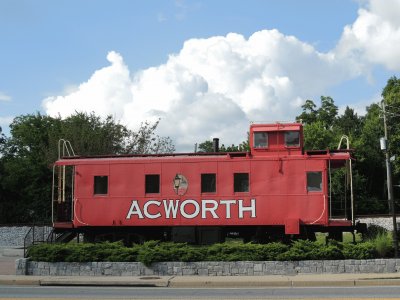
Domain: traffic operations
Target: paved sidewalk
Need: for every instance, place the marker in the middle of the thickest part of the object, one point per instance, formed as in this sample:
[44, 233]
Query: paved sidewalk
[210, 281]
[7, 259]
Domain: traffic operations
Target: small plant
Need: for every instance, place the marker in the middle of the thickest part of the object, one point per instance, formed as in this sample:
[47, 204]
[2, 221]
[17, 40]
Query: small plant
[374, 230]
[383, 244]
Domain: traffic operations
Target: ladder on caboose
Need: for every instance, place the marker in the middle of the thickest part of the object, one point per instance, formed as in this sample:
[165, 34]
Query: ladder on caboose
[63, 186]
[348, 186]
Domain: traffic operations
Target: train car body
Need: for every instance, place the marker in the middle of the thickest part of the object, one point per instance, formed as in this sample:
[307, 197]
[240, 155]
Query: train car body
[274, 190]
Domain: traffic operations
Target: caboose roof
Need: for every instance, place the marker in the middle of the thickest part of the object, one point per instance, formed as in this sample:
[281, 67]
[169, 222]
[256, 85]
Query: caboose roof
[276, 127]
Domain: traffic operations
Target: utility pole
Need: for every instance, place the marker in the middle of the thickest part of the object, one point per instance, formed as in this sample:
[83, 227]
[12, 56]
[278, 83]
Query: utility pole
[389, 183]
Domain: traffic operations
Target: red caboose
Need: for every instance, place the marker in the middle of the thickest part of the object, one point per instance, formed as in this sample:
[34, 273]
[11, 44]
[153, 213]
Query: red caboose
[271, 192]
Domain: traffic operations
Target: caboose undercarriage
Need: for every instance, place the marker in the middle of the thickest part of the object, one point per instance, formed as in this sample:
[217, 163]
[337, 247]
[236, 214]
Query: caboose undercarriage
[203, 235]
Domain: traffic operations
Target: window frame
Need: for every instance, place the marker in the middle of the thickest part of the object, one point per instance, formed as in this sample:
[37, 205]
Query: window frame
[259, 146]
[212, 182]
[313, 188]
[236, 184]
[298, 138]
[150, 185]
[98, 185]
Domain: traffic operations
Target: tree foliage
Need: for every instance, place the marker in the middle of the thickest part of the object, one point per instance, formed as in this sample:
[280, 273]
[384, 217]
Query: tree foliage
[207, 146]
[145, 141]
[391, 97]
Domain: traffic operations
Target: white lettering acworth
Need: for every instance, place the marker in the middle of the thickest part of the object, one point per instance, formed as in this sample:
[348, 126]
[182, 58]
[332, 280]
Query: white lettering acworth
[190, 209]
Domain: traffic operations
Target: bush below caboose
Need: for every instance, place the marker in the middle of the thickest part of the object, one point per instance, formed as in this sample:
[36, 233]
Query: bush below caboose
[155, 251]
[308, 250]
[83, 252]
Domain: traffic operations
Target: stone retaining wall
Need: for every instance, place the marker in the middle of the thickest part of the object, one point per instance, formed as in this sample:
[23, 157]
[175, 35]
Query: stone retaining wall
[26, 267]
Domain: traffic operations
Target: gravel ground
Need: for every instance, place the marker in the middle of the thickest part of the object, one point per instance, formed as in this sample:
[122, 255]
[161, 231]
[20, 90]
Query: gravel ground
[13, 236]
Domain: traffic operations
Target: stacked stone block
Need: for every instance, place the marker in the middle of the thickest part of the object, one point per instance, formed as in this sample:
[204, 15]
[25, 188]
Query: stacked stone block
[240, 268]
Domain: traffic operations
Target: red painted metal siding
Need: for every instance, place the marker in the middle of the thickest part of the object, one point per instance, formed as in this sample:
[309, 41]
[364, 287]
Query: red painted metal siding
[278, 187]
[277, 192]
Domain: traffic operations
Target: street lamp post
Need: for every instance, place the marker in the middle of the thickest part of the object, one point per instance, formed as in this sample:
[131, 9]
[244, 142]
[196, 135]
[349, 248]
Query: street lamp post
[385, 148]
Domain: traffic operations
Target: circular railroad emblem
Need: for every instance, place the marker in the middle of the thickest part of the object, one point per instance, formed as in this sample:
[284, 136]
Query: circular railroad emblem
[180, 184]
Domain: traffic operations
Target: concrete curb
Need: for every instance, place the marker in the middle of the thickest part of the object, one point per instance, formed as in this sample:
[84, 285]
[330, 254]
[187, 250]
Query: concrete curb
[207, 281]
[107, 282]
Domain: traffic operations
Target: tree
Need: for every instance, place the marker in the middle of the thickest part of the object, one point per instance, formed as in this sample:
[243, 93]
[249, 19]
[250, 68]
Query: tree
[145, 141]
[206, 146]
[91, 135]
[26, 174]
[349, 123]
[391, 97]
[319, 123]
[317, 137]
[327, 112]
[369, 158]
[309, 114]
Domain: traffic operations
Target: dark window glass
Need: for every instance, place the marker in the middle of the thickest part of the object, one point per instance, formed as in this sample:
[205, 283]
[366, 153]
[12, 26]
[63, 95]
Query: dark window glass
[260, 139]
[241, 182]
[292, 138]
[208, 183]
[314, 181]
[152, 183]
[100, 185]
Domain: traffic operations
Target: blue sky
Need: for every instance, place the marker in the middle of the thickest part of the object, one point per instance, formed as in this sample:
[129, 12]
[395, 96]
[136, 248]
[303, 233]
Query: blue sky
[176, 60]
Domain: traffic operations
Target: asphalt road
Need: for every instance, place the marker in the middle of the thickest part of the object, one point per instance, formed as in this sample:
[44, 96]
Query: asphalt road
[40, 292]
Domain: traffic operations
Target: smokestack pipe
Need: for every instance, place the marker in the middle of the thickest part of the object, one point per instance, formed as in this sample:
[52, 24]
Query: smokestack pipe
[215, 144]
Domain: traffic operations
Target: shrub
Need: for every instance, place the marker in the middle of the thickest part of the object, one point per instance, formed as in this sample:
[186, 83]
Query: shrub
[248, 251]
[373, 231]
[83, 252]
[154, 251]
[307, 250]
[364, 250]
[272, 250]
[383, 244]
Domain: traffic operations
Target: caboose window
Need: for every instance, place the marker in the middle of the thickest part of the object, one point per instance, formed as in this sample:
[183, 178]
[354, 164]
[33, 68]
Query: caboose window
[100, 185]
[241, 182]
[260, 139]
[292, 138]
[314, 181]
[152, 183]
[208, 183]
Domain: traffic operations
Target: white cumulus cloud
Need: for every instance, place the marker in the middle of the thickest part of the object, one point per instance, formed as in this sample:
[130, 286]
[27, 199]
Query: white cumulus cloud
[104, 93]
[214, 87]
[374, 38]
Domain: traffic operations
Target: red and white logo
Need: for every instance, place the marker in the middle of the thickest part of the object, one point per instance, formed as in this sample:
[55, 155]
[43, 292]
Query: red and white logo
[180, 184]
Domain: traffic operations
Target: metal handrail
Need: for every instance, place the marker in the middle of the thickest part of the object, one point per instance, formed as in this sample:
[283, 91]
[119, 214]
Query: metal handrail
[36, 234]
[65, 148]
[345, 137]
